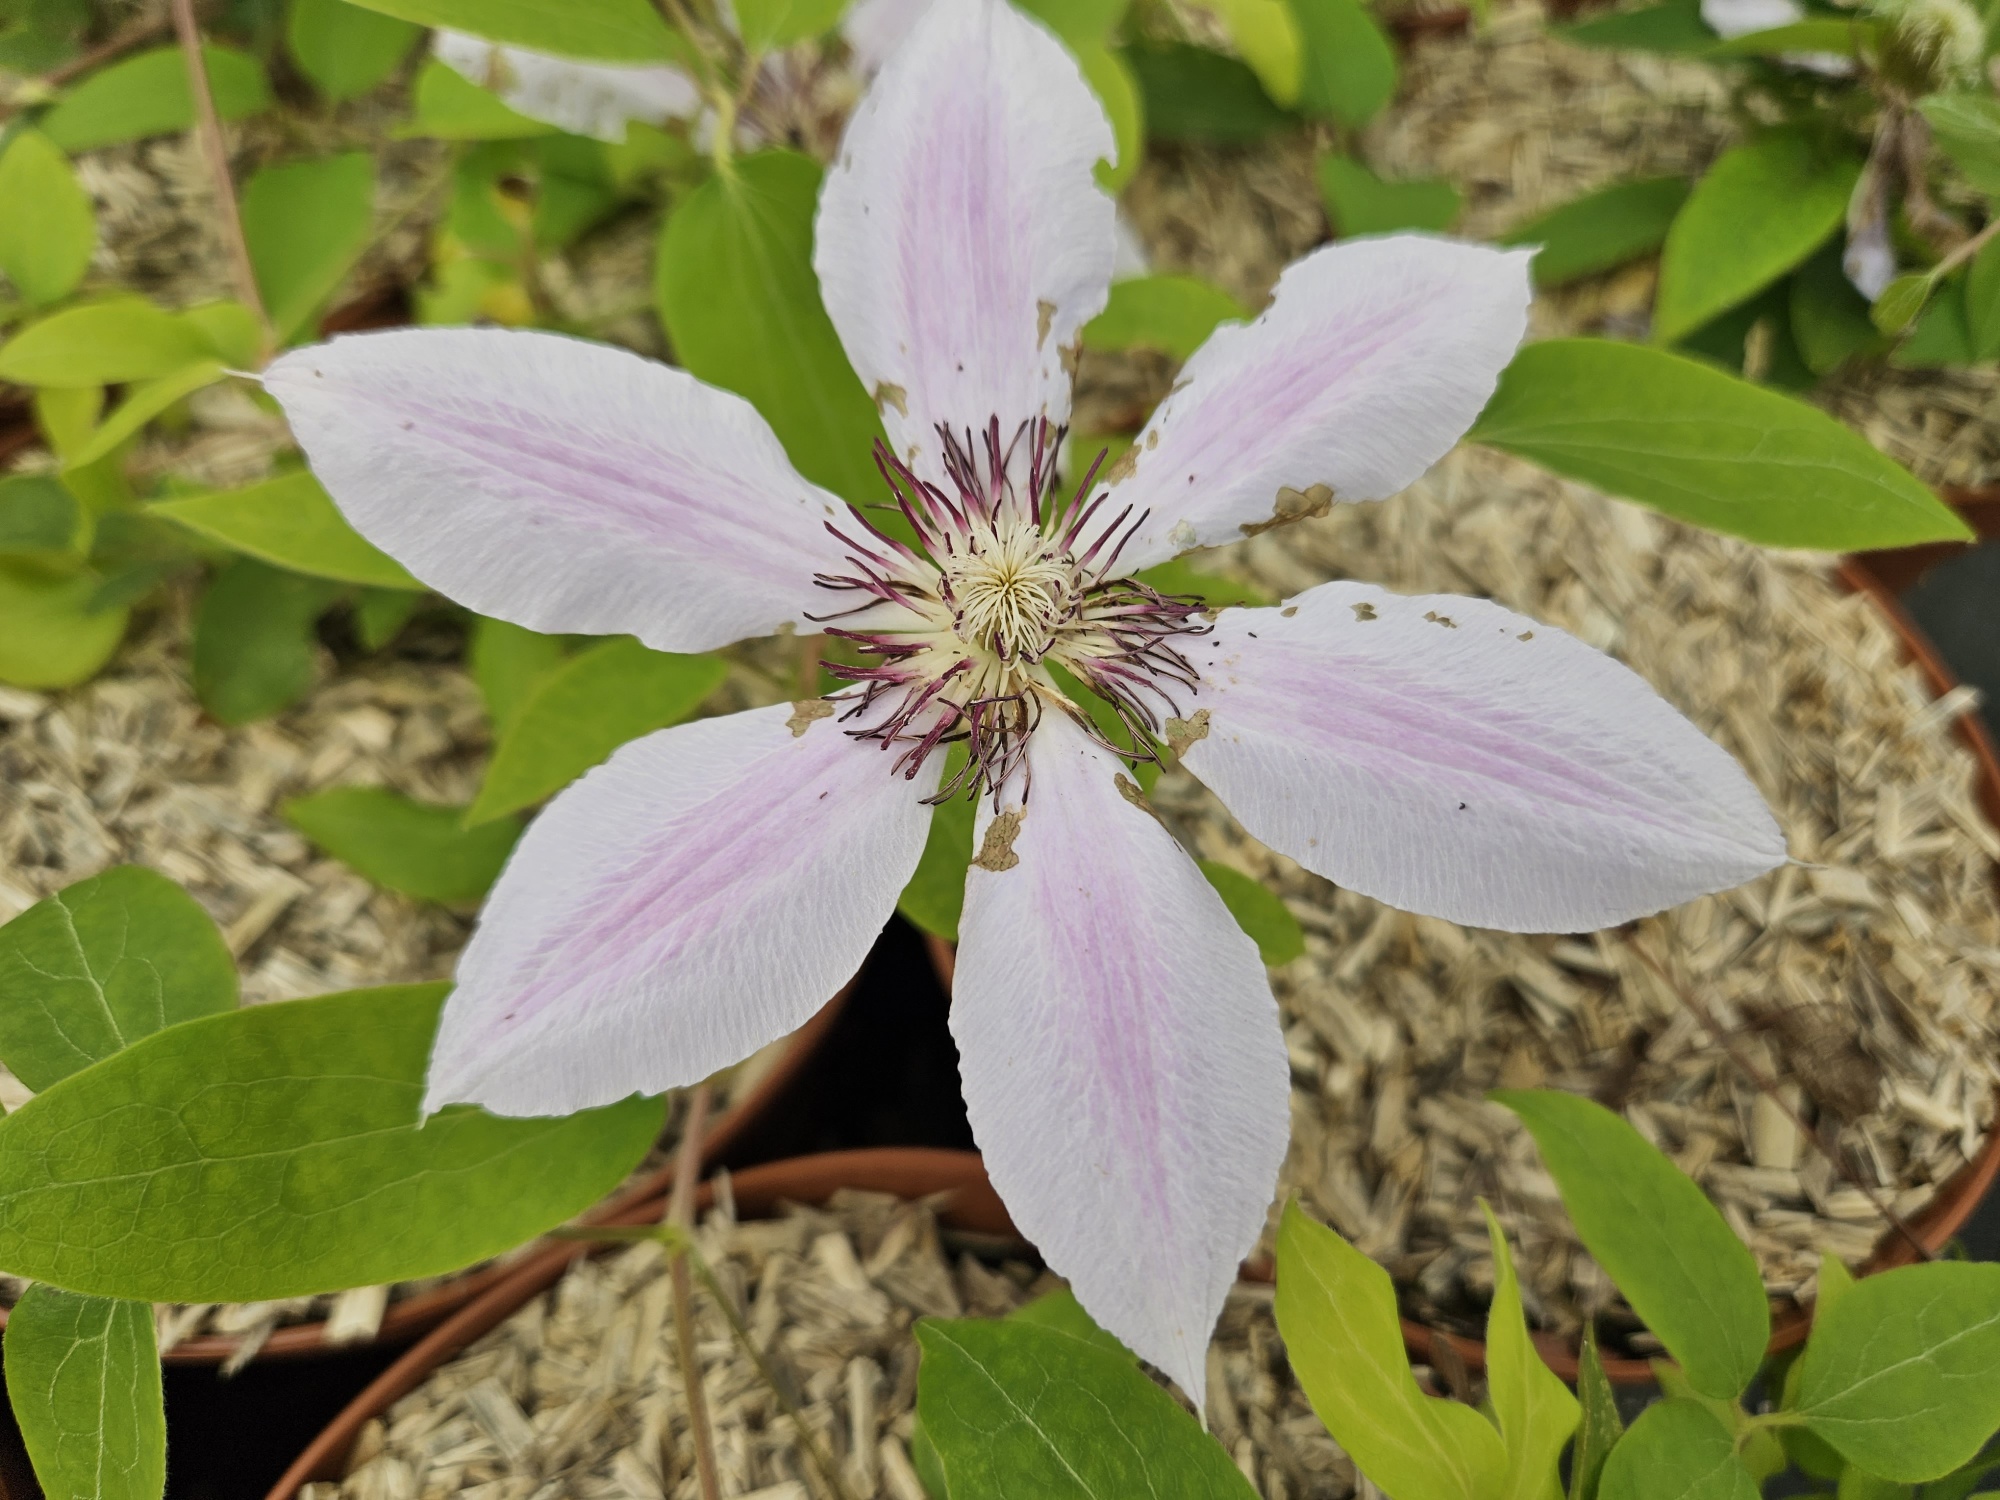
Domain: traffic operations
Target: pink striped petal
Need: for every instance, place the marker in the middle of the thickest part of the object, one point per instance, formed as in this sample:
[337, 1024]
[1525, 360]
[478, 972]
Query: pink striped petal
[1120, 1055]
[1451, 757]
[1373, 358]
[565, 486]
[702, 892]
[874, 29]
[962, 240]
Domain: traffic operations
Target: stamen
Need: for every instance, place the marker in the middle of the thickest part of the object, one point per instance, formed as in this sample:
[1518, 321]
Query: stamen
[962, 629]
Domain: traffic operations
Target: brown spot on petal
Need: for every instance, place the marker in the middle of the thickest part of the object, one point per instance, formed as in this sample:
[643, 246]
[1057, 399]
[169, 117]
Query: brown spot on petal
[1129, 790]
[1526, 635]
[1293, 505]
[1437, 619]
[996, 850]
[887, 395]
[804, 713]
[1072, 356]
[1184, 732]
[1045, 315]
[1121, 467]
[1363, 611]
[1289, 610]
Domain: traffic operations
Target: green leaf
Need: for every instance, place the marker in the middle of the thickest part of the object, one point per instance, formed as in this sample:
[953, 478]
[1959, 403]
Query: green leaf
[345, 49]
[1014, 1408]
[1061, 1311]
[740, 301]
[1174, 314]
[418, 848]
[1966, 128]
[102, 963]
[1600, 1426]
[1601, 230]
[279, 1150]
[924, 1459]
[1901, 301]
[49, 230]
[507, 661]
[1665, 1246]
[1840, 35]
[1829, 318]
[936, 893]
[1902, 1373]
[594, 30]
[83, 1374]
[1117, 88]
[231, 330]
[381, 614]
[38, 515]
[253, 652]
[292, 522]
[1677, 1450]
[1706, 447]
[1760, 210]
[145, 402]
[113, 342]
[147, 94]
[1350, 68]
[1941, 335]
[581, 711]
[38, 34]
[1192, 94]
[50, 636]
[451, 108]
[307, 223]
[1982, 301]
[1970, 1479]
[1336, 1311]
[1359, 202]
[66, 416]
[1179, 576]
[765, 24]
[1077, 21]
[1835, 1282]
[1534, 1409]
[1857, 1485]
[1258, 911]
[1266, 35]
[1675, 26]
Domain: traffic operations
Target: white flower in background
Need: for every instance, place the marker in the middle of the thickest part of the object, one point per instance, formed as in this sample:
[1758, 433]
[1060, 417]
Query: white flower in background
[593, 99]
[706, 889]
[1733, 18]
[874, 29]
[1869, 258]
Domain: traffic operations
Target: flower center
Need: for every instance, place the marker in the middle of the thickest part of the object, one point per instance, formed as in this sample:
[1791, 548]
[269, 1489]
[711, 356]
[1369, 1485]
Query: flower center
[961, 635]
[1009, 596]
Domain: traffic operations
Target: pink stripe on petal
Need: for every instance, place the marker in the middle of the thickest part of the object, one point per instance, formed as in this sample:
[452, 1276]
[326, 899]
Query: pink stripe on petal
[962, 240]
[566, 486]
[1372, 360]
[702, 892]
[1451, 757]
[1120, 1055]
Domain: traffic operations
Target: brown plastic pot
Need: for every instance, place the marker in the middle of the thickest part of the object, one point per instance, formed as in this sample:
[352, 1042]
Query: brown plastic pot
[414, 1316]
[905, 1171]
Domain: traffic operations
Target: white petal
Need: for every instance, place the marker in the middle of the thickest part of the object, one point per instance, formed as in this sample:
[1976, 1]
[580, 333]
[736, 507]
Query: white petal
[1373, 358]
[1451, 757]
[594, 99]
[1727, 18]
[1121, 1057]
[962, 240]
[704, 891]
[1870, 258]
[874, 29]
[566, 486]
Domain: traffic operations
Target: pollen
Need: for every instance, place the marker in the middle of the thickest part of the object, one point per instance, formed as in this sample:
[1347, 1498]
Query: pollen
[1011, 595]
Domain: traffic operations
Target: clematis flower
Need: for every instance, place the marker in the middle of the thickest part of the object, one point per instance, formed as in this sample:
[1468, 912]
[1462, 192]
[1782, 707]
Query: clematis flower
[593, 99]
[704, 890]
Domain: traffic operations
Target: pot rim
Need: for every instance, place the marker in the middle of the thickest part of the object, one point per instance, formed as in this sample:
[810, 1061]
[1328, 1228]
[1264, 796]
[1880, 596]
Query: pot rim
[905, 1171]
[414, 1316]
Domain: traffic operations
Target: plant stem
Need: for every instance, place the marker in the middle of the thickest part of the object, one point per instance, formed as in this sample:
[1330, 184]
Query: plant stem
[1769, 1089]
[209, 128]
[680, 1213]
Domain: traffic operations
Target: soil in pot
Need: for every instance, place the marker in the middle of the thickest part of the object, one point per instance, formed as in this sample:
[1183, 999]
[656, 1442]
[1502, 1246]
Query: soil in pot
[1865, 977]
[579, 1392]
